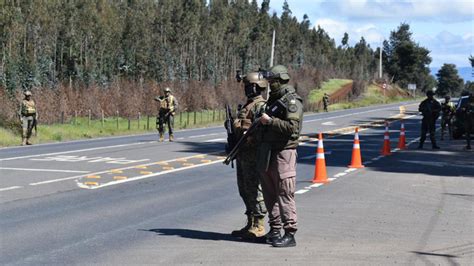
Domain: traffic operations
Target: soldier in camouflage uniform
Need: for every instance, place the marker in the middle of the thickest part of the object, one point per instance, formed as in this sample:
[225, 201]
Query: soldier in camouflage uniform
[325, 102]
[430, 109]
[28, 117]
[447, 114]
[166, 114]
[248, 179]
[277, 158]
[467, 110]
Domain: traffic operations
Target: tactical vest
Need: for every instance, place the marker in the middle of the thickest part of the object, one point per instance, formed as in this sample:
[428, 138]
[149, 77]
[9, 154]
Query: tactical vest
[248, 112]
[167, 103]
[28, 108]
[293, 112]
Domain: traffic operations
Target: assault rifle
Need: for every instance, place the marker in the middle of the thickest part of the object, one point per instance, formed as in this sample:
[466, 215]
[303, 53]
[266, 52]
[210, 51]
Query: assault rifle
[229, 126]
[274, 109]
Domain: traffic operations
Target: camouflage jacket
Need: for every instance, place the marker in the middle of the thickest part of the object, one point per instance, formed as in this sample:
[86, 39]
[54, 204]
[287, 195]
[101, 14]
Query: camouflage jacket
[284, 130]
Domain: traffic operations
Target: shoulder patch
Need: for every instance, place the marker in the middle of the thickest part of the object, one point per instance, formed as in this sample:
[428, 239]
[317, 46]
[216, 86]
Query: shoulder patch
[293, 108]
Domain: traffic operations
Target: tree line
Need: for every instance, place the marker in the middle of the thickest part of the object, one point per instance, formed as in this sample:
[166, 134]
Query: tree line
[194, 45]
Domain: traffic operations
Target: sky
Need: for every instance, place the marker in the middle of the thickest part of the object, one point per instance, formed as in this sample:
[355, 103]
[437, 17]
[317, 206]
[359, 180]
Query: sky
[445, 27]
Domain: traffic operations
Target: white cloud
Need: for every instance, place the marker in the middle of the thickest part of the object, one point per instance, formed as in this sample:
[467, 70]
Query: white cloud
[336, 30]
[414, 10]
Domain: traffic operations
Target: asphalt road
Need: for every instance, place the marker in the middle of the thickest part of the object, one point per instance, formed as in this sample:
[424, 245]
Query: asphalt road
[133, 200]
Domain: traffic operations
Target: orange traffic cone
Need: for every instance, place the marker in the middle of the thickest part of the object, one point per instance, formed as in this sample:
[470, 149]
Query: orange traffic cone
[320, 174]
[402, 140]
[356, 161]
[386, 141]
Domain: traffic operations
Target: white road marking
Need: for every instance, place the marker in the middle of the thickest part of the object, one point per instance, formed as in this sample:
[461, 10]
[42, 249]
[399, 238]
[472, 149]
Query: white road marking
[329, 123]
[316, 185]
[9, 188]
[301, 191]
[101, 172]
[147, 176]
[42, 170]
[73, 151]
[215, 140]
[350, 170]
[340, 174]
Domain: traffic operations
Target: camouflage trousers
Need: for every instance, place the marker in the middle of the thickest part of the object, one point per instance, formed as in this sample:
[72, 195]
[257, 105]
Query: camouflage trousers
[27, 126]
[163, 119]
[248, 182]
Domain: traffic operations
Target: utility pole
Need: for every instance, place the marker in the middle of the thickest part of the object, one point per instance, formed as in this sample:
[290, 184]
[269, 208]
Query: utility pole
[380, 62]
[271, 61]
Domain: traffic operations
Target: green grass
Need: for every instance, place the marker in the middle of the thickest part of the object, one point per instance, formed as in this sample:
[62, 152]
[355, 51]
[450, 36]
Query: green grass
[83, 129]
[328, 87]
[372, 96]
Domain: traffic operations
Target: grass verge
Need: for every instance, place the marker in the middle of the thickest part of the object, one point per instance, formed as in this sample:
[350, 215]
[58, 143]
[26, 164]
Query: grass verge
[82, 128]
[328, 87]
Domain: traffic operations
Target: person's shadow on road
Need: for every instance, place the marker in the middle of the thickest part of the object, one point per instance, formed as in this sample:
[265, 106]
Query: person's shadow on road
[196, 234]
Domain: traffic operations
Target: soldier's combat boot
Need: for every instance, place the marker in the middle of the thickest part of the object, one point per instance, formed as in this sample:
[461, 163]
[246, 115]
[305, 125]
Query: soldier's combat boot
[257, 229]
[171, 137]
[243, 230]
[23, 142]
[272, 236]
[162, 137]
[288, 240]
[28, 142]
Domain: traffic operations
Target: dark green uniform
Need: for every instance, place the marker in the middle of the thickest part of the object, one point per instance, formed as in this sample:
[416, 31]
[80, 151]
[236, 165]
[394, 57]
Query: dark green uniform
[325, 102]
[430, 109]
[468, 116]
[277, 162]
[447, 114]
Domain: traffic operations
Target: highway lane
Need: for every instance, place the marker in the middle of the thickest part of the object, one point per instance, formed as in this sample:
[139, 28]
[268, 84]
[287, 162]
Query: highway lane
[52, 163]
[183, 217]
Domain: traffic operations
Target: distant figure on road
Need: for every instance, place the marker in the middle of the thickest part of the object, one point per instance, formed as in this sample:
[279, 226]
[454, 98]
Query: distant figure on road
[430, 109]
[468, 112]
[166, 112]
[277, 158]
[28, 117]
[325, 102]
[248, 180]
[447, 113]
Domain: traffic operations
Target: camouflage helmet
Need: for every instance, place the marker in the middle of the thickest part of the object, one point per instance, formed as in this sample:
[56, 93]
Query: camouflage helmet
[256, 78]
[167, 89]
[27, 93]
[281, 72]
[430, 93]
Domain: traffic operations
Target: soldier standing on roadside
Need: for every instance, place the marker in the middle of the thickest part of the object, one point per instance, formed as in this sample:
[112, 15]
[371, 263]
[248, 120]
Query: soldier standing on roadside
[28, 117]
[325, 102]
[248, 179]
[276, 159]
[166, 114]
[468, 111]
[430, 109]
[447, 114]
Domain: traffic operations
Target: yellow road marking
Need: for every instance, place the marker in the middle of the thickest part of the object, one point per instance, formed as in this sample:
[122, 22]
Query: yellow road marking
[162, 163]
[188, 164]
[200, 156]
[120, 177]
[91, 183]
[182, 160]
[145, 172]
[141, 167]
[93, 176]
[168, 168]
[116, 171]
[206, 161]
